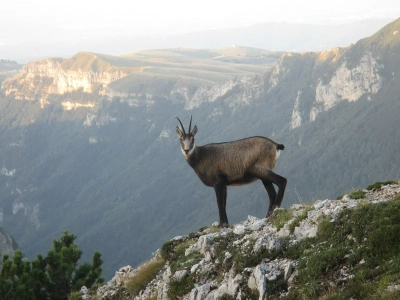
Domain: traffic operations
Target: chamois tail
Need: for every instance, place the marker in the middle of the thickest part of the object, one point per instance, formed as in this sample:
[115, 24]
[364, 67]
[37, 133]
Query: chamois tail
[280, 147]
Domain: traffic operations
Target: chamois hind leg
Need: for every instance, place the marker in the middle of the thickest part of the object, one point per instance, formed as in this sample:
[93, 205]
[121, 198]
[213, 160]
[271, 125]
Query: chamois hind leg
[221, 193]
[271, 195]
[281, 183]
[267, 175]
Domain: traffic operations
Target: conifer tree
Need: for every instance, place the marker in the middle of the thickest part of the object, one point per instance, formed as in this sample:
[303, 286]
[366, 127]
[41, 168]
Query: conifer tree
[52, 277]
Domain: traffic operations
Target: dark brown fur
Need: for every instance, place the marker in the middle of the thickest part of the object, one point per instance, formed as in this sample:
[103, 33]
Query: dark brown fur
[235, 163]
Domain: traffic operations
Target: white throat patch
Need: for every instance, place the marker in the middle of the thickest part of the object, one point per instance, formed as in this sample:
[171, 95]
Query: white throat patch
[190, 152]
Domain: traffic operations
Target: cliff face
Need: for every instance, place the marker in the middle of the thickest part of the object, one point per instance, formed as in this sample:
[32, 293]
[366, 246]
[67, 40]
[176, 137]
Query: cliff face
[40, 79]
[313, 83]
[317, 81]
[7, 244]
[235, 92]
[348, 84]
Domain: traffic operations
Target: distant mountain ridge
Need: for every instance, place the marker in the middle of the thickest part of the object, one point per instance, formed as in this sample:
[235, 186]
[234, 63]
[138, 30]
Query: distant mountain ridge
[104, 161]
[93, 73]
[279, 36]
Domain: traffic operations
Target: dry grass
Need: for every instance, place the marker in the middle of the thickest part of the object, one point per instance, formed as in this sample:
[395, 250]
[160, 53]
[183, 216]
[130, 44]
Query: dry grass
[146, 273]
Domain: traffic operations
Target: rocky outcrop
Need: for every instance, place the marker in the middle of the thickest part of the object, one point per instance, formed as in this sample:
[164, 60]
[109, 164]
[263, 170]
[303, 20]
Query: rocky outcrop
[39, 79]
[209, 262]
[68, 105]
[31, 212]
[296, 114]
[235, 92]
[348, 84]
[7, 244]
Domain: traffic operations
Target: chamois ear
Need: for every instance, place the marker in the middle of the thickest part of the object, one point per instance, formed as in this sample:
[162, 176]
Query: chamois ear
[194, 131]
[178, 131]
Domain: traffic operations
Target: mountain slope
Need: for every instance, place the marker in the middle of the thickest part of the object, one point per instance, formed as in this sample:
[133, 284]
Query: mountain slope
[310, 251]
[103, 161]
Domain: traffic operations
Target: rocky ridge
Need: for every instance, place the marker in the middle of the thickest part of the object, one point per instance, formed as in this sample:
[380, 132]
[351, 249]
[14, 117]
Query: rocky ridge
[40, 79]
[207, 264]
[7, 244]
[332, 79]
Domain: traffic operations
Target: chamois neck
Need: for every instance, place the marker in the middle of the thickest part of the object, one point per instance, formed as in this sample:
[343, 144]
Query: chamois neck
[192, 158]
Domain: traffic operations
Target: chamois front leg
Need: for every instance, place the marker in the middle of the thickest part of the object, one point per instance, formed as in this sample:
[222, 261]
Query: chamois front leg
[221, 193]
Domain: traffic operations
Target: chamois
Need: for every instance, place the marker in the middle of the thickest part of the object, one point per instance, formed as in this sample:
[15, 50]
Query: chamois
[232, 164]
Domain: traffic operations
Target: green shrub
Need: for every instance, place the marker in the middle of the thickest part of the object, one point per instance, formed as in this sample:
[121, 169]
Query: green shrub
[359, 194]
[181, 248]
[226, 297]
[179, 288]
[249, 294]
[167, 249]
[247, 257]
[280, 217]
[172, 250]
[75, 296]
[378, 185]
[185, 261]
[277, 286]
[223, 244]
[146, 273]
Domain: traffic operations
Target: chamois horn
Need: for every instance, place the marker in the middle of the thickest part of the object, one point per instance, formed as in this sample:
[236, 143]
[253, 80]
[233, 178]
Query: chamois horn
[190, 124]
[183, 128]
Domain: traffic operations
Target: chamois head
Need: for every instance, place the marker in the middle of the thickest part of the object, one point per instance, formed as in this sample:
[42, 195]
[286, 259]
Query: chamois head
[186, 139]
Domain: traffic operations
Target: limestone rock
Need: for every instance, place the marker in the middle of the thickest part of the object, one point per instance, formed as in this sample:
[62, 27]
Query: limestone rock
[180, 275]
[250, 236]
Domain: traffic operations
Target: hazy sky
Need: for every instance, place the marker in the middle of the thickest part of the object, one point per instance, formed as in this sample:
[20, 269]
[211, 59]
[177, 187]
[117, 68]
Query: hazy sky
[32, 29]
[160, 17]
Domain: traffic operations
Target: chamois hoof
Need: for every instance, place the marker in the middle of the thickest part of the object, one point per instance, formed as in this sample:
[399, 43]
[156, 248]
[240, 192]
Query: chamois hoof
[270, 212]
[223, 225]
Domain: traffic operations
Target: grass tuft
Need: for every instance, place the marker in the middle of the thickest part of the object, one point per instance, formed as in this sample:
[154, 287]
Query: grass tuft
[177, 289]
[146, 273]
[359, 194]
[378, 185]
[280, 217]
